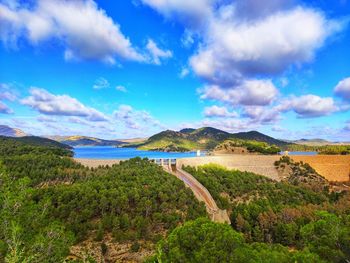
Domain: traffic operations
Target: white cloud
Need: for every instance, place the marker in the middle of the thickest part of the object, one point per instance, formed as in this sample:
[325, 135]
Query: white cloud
[135, 119]
[6, 93]
[121, 88]
[123, 112]
[262, 115]
[257, 9]
[4, 109]
[187, 38]
[233, 49]
[217, 111]
[45, 119]
[86, 30]
[101, 83]
[60, 105]
[343, 89]
[310, 106]
[229, 125]
[184, 72]
[192, 13]
[249, 92]
[156, 53]
[284, 82]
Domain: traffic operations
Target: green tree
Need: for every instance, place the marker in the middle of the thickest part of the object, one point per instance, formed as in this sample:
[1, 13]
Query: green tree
[200, 241]
[327, 237]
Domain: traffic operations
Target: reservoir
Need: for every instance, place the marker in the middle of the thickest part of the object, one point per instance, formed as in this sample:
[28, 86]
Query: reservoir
[110, 152]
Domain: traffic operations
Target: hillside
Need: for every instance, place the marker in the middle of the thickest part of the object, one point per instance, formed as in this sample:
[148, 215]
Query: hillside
[54, 207]
[35, 141]
[31, 145]
[85, 141]
[239, 146]
[294, 215]
[206, 138]
[260, 137]
[11, 132]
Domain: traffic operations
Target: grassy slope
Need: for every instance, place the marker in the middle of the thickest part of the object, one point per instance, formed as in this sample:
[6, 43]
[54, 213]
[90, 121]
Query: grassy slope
[36, 141]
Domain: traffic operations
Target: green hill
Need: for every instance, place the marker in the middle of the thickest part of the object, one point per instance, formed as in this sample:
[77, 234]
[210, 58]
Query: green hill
[85, 141]
[206, 138]
[260, 137]
[35, 141]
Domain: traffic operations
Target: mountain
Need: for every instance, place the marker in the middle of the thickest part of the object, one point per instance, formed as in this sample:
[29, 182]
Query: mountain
[85, 141]
[11, 132]
[36, 141]
[260, 137]
[202, 138]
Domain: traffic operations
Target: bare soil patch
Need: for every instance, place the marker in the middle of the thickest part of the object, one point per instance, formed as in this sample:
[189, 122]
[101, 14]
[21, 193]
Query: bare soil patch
[332, 167]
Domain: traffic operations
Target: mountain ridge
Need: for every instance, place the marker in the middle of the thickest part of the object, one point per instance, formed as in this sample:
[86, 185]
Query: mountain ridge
[78, 140]
[206, 138]
[11, 132]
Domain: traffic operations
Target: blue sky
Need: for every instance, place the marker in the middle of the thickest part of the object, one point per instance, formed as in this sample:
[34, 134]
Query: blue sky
[123, 69]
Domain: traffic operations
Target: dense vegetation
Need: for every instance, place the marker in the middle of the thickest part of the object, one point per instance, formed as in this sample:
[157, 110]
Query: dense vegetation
[250, 145]
[36, 141]
[205, 241]
[282, 213]
[48, 202]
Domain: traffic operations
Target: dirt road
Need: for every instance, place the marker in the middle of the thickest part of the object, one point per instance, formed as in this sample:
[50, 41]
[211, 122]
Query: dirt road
[202, 194]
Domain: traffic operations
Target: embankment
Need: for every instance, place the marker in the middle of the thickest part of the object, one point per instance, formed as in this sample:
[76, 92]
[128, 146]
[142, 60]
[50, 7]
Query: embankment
[332, 167]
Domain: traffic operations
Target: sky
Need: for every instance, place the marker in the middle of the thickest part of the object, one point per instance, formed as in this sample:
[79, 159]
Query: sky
[127, 69]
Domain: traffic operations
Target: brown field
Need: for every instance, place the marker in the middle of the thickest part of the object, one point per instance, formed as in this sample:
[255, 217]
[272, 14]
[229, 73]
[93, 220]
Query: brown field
[332, 167]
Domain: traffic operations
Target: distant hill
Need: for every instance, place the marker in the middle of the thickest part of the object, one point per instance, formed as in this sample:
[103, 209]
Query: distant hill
[260, 137]
[202, 138]
[318, 142]
[85, 141]
[37, 141]
[133, 140]
[11, 132]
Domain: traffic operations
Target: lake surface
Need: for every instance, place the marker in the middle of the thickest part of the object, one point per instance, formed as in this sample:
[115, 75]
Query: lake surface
[300, 153]
[110, 152]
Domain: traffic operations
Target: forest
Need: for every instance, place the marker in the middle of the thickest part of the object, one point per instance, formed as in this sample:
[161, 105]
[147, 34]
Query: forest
[49, 202]
[280, 213]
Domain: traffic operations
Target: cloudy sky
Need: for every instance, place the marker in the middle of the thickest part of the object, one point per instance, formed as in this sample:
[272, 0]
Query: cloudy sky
[123, 69]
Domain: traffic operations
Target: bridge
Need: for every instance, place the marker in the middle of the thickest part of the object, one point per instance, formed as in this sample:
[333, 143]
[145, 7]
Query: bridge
[201, 193]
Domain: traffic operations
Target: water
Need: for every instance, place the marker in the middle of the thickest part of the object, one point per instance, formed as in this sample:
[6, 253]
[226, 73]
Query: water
[300, 153]
[110, 152]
